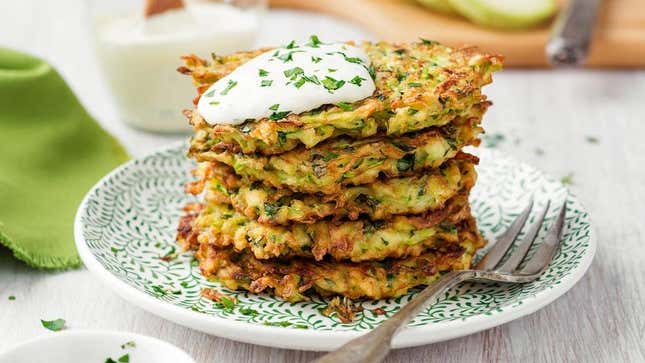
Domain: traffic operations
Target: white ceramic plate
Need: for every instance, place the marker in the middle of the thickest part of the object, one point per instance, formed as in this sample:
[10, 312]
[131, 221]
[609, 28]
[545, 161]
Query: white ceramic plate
[128, 221]
[82, 346]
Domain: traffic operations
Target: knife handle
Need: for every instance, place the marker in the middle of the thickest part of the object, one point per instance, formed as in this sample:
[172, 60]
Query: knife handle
[570, 37]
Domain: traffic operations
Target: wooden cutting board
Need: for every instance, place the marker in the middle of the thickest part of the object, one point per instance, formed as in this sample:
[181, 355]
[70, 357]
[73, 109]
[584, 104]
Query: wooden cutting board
[618, 41]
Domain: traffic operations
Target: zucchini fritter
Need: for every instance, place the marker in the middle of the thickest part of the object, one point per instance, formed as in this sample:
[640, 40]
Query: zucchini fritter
[418, 85]
[361, 240]
[295, 279]
[379, 200]
[330, 166]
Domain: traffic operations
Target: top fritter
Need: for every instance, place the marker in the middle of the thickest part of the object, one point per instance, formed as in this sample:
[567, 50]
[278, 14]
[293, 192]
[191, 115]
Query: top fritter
[417, 86]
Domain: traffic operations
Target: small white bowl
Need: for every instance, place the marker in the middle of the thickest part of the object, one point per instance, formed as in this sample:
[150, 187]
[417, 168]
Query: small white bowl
[83, 346]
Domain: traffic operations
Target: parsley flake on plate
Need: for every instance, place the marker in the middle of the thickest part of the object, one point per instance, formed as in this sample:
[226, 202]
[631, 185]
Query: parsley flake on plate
[53, 325]
[130, 344]
[122, 359]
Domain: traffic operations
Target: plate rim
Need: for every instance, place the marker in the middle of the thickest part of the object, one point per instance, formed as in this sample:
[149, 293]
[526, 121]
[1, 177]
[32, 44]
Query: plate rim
[306, 339]
[75, 333]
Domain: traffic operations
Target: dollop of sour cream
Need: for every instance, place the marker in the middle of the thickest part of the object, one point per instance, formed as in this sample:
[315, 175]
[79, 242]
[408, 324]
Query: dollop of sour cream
[291, 79]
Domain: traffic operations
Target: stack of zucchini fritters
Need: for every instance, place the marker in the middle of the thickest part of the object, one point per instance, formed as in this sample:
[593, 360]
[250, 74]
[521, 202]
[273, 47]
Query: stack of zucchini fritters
[364, 200]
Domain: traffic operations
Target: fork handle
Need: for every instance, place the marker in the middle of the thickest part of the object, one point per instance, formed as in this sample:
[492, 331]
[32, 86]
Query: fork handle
[375, 345]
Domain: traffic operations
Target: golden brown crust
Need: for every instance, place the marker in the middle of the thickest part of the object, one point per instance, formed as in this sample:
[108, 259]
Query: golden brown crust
[379, 200]
[360, 240]
[341, 162]
[296, 279]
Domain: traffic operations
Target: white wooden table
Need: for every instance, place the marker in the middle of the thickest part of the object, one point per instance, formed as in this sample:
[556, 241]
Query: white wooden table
[547, 117]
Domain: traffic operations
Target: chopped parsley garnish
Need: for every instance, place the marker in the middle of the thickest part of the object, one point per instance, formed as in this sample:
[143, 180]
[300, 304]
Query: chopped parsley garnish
[345, 106]
[372, 72]
[332, 84]
[291, 45]
[567, 179]
[274, 107]
[414, 84]
[282, 137]
[266, 83]
[122, 359]
[357, 80]
[160, 291]
[493, 140]
[12, 298]
[170, 255]
[270, 209]
[114, 250]
[229, 86]
[428, 41]
[248, 312]
[278, 115]
[330, 156]
[313, 79]
[227, 303]
[263, 73]
[316, 59]
[53, 325]
[405, 163]
[130, 344]
[314, 42]
[287, 56]
[293, 73]
[210, 93]
[214, 103]
[331, 70]
[592, 139]
[401, 76]
[299, 83]
[355, 60]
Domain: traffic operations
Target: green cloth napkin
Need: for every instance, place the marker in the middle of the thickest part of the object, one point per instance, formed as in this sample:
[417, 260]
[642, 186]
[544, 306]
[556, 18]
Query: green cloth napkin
[51, 153]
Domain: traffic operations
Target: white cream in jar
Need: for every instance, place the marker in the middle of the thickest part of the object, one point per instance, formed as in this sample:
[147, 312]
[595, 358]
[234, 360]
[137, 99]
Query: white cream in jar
[140, 56]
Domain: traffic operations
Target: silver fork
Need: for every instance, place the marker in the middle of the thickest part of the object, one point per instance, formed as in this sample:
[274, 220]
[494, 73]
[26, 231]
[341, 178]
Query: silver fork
[375, 345]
